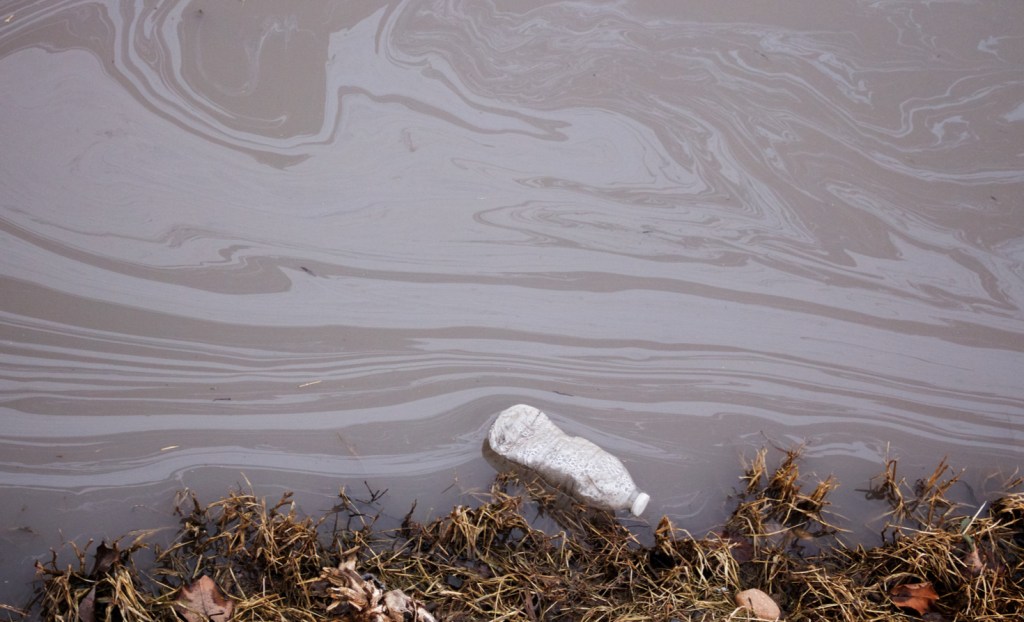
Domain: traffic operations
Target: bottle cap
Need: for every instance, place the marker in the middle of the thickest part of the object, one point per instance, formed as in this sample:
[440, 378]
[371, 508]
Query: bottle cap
[640, 504]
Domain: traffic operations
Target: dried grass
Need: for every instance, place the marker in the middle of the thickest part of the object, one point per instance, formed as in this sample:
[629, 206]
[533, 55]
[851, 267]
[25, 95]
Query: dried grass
[490, 562]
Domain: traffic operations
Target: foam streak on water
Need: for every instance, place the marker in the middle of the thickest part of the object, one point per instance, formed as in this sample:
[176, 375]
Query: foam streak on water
[311, 244]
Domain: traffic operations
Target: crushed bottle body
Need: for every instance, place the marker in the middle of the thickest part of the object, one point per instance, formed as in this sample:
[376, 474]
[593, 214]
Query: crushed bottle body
[525, 435]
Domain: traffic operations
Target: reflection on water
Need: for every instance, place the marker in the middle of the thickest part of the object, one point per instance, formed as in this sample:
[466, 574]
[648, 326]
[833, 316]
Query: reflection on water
[315, 244]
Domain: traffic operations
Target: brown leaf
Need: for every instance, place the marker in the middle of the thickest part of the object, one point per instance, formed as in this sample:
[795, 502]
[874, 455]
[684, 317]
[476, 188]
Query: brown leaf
[740, 547]
[979, 560]
[106, 557]
[916, 596]
[87, 608]
[974, 563]
[203, 600]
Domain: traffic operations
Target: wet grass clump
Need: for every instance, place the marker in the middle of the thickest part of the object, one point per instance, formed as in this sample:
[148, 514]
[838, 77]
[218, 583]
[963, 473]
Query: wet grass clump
[241, 558]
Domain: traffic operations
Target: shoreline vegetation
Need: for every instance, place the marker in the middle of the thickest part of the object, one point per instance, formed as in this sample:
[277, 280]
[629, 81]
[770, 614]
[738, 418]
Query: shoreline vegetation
[242, 558]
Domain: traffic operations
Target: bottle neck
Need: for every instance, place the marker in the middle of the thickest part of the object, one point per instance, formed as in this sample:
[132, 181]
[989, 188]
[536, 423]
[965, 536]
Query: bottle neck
[638, 502]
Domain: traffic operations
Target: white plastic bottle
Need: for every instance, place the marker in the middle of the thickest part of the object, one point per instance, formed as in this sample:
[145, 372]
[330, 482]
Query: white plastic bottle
[525, 435]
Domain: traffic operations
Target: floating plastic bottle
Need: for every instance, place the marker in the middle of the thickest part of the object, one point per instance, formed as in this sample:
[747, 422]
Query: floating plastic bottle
[525, 435]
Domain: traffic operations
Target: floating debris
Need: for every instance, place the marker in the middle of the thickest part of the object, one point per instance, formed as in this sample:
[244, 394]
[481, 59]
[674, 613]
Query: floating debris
[241, 558]
[362, 600]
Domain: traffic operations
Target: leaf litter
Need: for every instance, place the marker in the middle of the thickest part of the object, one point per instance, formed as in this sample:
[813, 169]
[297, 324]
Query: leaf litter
[203, 600]
[916, 596]
[242, 558]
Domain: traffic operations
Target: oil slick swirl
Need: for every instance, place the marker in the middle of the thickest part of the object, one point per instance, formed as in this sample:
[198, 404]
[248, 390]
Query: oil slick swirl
[311, 244]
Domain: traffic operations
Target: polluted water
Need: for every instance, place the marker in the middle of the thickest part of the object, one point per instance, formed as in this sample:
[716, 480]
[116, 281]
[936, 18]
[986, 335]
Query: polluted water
[295, 246]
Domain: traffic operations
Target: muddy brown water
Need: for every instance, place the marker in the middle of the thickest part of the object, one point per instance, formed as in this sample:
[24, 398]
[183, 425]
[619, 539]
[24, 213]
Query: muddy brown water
[314, 244]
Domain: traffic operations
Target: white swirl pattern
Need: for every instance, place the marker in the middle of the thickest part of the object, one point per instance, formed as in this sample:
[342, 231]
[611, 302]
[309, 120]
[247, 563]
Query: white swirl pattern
[325, 242]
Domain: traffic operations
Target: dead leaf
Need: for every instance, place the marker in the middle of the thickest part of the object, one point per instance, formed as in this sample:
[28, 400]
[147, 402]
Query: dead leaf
[974, 563]
[87, 608]
[364, 600]
[916, 596]
[106, 557]
[741, 548]
[202, 601]
[979, 560]
[349, 588]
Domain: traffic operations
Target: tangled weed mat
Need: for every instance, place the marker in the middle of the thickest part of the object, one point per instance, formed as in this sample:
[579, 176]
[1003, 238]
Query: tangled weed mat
[241, 558]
